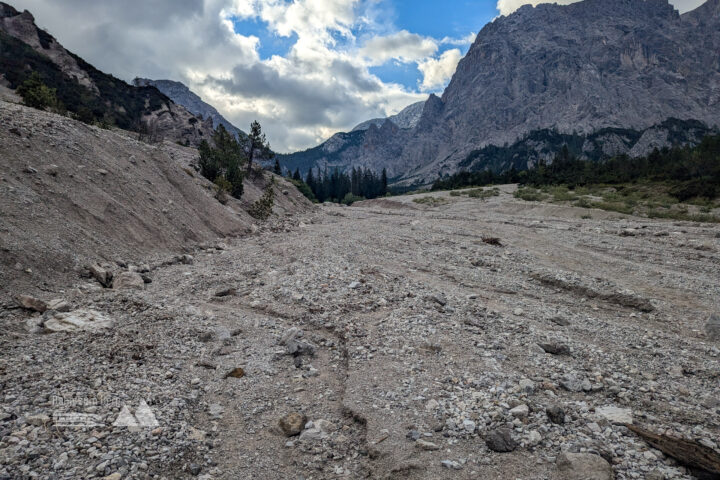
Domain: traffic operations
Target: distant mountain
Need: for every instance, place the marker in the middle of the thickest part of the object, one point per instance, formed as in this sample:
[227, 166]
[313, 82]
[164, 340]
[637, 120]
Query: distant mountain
[407, 118]
[182, 95]
[86, 91]
[363, 147]
[575, 70]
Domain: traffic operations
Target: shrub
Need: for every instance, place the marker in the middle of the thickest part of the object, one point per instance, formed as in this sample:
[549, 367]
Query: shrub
[304, 189]
[262, 209]
[349, 199]
[36, 94]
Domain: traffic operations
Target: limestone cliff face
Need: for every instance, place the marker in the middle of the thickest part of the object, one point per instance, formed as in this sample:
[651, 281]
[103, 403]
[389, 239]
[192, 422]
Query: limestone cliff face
[576, 68]
[179, 93]
[580, 68]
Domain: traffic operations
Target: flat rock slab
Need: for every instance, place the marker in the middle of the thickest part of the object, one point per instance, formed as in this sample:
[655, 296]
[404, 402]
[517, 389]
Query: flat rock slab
[615, 415]
[583, 466]
[78, 320]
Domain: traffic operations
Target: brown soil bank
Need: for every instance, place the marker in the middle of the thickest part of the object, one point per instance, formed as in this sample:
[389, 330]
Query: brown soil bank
[71, 194]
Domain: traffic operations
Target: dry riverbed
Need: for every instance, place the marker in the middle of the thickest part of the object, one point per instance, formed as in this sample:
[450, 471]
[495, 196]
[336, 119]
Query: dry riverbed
[466, 338]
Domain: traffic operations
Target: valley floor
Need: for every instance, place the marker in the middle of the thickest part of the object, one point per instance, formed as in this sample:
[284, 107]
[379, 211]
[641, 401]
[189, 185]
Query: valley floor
[426, 340]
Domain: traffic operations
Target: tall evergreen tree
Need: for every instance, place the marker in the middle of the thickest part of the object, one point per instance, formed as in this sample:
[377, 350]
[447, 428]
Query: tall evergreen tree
[256, 145]
[277, 169]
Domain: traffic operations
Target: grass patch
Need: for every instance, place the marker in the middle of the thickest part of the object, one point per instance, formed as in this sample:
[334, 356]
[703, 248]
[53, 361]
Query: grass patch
[430, 201]
[530, 194]
[648, 199]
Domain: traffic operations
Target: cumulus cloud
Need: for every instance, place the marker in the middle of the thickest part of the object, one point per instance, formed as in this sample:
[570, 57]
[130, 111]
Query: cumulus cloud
[506, 7]
[403, 46]
[322, 83]
[437, 71]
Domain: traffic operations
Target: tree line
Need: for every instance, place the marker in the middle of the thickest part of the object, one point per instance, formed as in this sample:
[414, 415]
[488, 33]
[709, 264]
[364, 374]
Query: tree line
[342, 187]
[693, 172]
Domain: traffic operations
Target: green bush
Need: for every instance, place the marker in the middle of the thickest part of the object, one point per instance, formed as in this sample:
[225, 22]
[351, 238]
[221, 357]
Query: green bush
[36, 94]
[262, 209]
[349, 199]
[304, 189]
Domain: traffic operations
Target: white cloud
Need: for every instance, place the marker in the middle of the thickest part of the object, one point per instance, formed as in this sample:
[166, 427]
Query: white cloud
[506, 7]
[403, 45]
[437, 71]
[469, 39]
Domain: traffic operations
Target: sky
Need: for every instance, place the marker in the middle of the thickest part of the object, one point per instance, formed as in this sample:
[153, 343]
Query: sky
[305, 69]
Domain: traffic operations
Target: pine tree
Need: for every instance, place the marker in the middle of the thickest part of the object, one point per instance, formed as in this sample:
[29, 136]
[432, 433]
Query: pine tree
[277, 169]
[256, 145]
[296, 175]
[384, 181]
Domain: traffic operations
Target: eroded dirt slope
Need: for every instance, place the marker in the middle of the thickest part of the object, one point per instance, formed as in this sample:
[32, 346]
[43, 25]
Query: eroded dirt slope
[71, 194]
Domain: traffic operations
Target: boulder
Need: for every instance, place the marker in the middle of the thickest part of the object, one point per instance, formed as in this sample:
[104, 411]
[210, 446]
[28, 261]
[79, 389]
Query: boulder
[500, 440]
[78, 320]
[31, 303]
[128, 281]
[292, 424]
[583, 466]
[101, 274]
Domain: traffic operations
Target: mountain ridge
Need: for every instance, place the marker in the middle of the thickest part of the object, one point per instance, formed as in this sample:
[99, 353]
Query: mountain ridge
[594, 64]
[90, 94]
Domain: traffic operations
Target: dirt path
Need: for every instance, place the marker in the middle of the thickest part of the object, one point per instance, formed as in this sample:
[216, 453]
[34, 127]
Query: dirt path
[420, 330]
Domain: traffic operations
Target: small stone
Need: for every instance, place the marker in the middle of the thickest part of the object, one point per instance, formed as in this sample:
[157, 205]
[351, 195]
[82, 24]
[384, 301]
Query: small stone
[113, 476]
[236, 373]
[451, 464]
[292, 424]
[354, 285]
[534, 438]
[101, 275]
[574, 384]
[215, 409]
[518, 311]
[128, 281]
[31, 303]
[521, 411]
[37, 420]
[556, 414]
[51, 170]
[469, 426]
[555, 348]
[226, 292]
[102, 171]
[413, 435]
[59, 305]
[425, 445]
[560, 321]
[500, 440]
[195, 469]
[431, 405]
[527, 386]
[583, 466]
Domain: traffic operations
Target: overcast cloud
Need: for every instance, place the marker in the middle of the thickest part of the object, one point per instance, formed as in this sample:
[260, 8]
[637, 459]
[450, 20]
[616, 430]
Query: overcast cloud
[321, 83]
